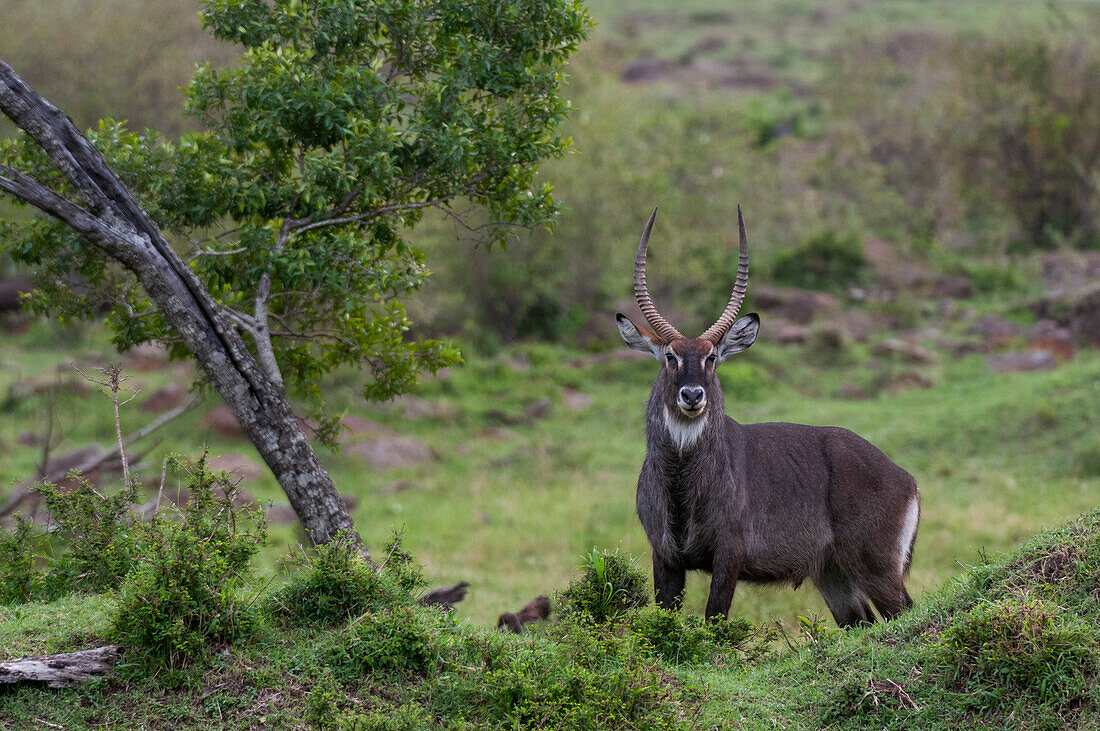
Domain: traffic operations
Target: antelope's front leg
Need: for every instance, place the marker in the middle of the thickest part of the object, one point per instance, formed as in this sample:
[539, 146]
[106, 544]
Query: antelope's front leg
[723, 581]
[668, 584]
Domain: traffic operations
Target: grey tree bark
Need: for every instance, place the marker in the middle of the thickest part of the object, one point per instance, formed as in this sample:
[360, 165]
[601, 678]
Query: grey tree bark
[112, 220]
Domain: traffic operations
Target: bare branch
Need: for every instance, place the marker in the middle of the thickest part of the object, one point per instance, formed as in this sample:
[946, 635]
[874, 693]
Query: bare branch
[113, 382]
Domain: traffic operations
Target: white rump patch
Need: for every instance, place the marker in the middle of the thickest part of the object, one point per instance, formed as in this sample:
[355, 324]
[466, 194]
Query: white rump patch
[684, 434]
[908, 530]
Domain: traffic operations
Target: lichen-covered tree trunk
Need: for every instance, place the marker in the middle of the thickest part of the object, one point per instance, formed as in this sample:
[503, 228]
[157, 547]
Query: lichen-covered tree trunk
[112, 220]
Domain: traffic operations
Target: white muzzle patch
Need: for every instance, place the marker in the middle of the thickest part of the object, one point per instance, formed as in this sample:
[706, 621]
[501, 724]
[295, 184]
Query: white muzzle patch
[684, 434]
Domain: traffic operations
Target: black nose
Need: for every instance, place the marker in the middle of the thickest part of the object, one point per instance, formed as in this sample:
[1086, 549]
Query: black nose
[692, 395]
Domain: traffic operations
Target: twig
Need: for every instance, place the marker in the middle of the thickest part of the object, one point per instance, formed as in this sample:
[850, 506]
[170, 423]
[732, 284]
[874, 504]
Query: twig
[113, 383]
[163, 475]
[783, 632]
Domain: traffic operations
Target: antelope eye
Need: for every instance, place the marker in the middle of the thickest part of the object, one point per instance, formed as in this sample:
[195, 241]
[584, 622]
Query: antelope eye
[670, 358]
[711, 358]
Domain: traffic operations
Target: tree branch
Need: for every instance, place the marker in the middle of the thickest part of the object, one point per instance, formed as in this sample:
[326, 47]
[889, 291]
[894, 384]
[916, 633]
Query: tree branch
[29, 190]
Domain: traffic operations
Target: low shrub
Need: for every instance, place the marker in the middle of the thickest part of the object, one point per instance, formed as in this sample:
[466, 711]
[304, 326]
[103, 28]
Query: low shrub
[999, 649]
[92, 548]
[610, 585]
[579, 676]
[185, 592]
[335, 583]
[679, 638]
[394, 641]
[18, 575]
[98, 532]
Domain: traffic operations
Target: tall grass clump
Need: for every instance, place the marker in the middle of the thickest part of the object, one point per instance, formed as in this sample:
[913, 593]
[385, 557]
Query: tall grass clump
[188, 589]
[610, 585]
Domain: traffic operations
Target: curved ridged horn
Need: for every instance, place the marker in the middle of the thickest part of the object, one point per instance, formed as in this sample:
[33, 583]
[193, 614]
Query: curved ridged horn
[660, 325]
[719, 329]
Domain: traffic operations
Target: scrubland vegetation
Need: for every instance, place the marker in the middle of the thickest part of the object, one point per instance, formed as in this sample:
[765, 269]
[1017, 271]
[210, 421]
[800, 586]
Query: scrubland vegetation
[920, 183]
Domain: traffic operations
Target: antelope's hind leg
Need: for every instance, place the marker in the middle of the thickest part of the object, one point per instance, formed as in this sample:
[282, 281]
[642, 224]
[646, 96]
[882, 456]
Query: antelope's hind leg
[845, 600]
[889, 596]
[668, 584]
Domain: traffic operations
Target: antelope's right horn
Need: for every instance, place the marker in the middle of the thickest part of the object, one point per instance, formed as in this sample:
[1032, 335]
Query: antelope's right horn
[660, 325]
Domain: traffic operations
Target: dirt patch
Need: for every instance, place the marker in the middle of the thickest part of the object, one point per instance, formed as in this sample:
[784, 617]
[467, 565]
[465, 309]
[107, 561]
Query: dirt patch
[165, 398]
[389, 453]
[239, 467]
[799, 306]
[704, 73]
[1076, 308]
[357, 426]
[1019, 361]
[575, 400]
[1048, 335]
[416, 408]
[147, 357]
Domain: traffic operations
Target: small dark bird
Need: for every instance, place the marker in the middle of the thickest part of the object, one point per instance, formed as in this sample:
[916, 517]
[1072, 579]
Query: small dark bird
[536, 610]
[447, 596]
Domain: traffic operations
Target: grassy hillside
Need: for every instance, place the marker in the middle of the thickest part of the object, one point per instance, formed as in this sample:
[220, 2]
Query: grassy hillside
[1012, 643]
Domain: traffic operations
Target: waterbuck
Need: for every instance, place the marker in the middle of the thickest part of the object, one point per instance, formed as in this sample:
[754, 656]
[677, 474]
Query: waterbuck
[772, 503]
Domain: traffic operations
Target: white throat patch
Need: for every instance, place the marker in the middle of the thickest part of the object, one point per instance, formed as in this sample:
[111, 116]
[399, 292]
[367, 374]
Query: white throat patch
[684, 435]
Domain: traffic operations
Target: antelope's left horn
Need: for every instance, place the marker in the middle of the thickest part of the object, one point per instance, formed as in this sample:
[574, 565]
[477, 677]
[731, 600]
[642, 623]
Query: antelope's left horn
[718, 330]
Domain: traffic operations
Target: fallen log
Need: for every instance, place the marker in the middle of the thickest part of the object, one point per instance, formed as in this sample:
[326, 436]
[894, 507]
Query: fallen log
[63, 670]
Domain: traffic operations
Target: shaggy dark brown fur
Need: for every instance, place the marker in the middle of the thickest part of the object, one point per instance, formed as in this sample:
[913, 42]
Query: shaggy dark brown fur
[771, 503]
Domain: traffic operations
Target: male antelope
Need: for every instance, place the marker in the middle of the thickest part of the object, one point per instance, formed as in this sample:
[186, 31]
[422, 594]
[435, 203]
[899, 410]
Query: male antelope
[775, 502]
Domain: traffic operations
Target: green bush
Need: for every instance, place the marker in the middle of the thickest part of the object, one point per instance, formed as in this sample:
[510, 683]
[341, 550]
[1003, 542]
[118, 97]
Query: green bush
[98, 532]
[683, 638]
[185, 592]
[402, 640]
[92, 548]
[610, 584]
[336, 584]
[19, 578]
[828, 260]
[1001, 648]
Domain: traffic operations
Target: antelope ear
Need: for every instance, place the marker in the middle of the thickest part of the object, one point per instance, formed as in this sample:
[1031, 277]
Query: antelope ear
[639, 338]
[740, 336]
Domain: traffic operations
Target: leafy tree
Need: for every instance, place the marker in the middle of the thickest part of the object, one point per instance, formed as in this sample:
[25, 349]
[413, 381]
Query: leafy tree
[273, 246]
